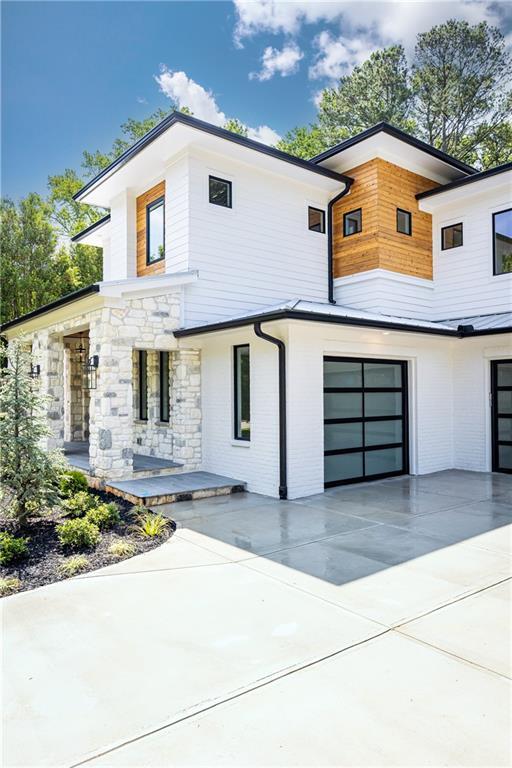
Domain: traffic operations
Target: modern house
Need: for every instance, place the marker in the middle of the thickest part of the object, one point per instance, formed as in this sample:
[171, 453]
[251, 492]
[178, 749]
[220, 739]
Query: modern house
[293, 324]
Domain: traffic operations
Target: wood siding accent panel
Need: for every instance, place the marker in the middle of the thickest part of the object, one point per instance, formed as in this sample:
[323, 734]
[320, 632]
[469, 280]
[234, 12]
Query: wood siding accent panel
[379, 189]
[142, 202]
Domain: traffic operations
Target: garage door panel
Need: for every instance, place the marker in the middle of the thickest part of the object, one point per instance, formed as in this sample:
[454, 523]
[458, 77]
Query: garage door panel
[383, 432]
[341, 468]
[343, 405]
[341, 436]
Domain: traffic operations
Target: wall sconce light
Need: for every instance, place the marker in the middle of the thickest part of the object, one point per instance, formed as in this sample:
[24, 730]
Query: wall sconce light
[91, 372]
[35, 371]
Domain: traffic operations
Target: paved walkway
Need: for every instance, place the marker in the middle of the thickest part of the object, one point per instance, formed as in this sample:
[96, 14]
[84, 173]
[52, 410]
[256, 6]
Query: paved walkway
[368, 626]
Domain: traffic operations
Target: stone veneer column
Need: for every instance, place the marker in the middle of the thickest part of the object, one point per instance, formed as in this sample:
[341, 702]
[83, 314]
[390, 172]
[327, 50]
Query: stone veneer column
[48, 350]
[111, 403]
[186, 406]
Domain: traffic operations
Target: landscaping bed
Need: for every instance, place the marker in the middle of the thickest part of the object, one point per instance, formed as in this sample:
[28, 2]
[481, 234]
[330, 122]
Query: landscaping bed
[46, 557]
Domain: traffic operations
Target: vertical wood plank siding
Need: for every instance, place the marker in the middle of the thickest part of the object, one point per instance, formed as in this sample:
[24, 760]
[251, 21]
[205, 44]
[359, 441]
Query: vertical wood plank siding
[142, 202]
[379, 189]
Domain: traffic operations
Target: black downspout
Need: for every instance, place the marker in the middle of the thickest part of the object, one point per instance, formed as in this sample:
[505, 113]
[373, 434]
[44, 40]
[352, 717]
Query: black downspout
[330, 276]
[283, 470]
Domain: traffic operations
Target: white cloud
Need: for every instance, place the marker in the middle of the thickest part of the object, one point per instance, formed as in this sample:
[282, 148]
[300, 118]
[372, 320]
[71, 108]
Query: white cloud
[185, 92]
[337, 56]
[283, 62]
[254, 16]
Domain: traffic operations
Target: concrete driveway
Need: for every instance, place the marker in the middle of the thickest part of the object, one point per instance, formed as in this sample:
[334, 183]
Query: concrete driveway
[368, 626]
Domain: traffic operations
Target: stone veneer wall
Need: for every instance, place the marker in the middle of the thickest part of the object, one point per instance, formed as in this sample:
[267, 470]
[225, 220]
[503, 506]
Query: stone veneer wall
[152, 437]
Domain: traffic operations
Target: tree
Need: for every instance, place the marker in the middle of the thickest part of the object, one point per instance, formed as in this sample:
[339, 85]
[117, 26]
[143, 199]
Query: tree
[303, 141]
[376, 90]
[29, 476]
[235, 126]
[460, 77]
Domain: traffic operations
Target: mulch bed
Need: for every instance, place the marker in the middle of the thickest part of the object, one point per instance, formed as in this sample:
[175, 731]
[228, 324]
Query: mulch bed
[45, 554]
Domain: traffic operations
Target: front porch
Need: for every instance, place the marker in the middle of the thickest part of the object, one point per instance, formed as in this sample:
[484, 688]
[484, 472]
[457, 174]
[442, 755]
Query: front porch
[77, 453]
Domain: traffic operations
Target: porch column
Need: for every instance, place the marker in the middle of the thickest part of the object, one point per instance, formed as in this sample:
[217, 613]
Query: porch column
[49, 350]
[186, 406]
[111, 403]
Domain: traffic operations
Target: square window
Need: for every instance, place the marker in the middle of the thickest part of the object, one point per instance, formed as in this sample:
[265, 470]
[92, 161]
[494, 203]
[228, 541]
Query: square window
[316, 219]
[502, 241]
[352, 222]
[155, 231]
[403, 221]
[220, 192]
[451, 237]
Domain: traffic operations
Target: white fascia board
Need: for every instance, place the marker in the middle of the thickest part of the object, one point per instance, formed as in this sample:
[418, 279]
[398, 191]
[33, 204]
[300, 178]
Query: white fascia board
[466, 191]
[153, 285]
[96, 237]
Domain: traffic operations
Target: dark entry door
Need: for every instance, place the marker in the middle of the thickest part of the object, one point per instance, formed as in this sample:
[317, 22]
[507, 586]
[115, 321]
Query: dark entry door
[365, 419]
[501, 392]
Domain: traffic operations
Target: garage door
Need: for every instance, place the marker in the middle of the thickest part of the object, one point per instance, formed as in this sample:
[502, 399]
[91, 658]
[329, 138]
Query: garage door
[365, 419]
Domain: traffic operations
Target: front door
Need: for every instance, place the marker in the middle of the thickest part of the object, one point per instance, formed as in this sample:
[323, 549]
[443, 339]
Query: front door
[365, 419]
[501, 394]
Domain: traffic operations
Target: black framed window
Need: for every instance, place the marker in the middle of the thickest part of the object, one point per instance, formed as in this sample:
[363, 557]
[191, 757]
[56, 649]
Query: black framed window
[352, 222]
[219, 191]
[403, 221]
[155, 231]
[502, 241]
[451, 237]
[316, 219]
[143, 385]
[164, 386]
[242, 390]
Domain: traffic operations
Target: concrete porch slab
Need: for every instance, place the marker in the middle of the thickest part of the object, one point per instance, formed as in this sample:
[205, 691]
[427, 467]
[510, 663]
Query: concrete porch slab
[165, 489]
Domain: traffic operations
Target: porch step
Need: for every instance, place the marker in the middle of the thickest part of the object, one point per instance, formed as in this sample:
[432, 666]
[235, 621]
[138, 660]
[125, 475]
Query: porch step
[166, 489]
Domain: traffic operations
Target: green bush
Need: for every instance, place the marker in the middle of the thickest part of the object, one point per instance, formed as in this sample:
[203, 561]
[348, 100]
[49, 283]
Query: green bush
[149, 525]
[73, 564]
[12, 548]
[9, 585]
[72, 482]
[104, 516]
[122, 549]
[79, 504]
[78, 534]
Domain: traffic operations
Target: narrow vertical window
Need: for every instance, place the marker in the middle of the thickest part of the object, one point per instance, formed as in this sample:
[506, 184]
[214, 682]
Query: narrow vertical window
[242, 391]
[155, 231]
[143, 385]
[403, 221]
[502, 241]
[316, 219]
[164, 386]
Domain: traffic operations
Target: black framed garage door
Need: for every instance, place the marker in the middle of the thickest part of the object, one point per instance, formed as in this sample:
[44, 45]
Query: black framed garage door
[501, 389]
[365, 419]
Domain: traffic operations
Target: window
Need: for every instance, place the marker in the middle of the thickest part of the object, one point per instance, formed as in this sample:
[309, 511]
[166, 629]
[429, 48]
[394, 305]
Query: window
[316, 219]
[352, 222]
[220, 192]
[242, 390]
[502, 241]
[143, 385]
[451, 237]
[403, 221]
[164, 386]
[155, 248]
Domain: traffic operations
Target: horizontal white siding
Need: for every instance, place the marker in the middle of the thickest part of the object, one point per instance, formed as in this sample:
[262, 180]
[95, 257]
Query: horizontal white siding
[380, 290]
[177, 215]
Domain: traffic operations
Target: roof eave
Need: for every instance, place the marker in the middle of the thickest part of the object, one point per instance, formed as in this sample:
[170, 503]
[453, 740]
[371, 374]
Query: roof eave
[473, 179]
[90, 229]
[69, 298]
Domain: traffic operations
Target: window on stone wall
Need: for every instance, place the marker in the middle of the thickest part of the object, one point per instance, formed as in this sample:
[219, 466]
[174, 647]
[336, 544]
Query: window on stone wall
[242, 390]
[164, 386]
[143, 385]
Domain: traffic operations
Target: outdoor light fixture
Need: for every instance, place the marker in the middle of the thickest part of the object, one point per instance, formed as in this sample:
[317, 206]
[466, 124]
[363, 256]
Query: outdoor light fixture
[91, 372]
[35, 371]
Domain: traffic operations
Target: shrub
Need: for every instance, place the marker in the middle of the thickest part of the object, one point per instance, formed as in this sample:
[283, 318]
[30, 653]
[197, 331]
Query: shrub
[72, 482]
[9, 585]
[79, 504]
[150, 524]
[122, 549]
[12, 548]
[73, 564]
[78, 534]
[104, 516]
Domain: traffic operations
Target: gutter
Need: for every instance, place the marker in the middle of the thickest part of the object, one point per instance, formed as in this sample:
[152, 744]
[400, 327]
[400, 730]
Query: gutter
[283, 468]
[330, 240]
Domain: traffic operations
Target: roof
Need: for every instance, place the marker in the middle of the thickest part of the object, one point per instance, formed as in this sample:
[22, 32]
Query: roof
[498, 321]
[467, 180]
[397, 133]
[334, 313]
[67, 299]
[176, 118]
[90, 229]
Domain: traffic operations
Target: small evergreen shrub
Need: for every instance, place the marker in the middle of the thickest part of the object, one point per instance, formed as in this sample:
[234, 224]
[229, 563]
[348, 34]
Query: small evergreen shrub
[9, 586]
[12, 548]
[79, 504]
[72, 482]
[78, 534]
[150, 524]
[104, 515]
[122, 549]
[74, 564]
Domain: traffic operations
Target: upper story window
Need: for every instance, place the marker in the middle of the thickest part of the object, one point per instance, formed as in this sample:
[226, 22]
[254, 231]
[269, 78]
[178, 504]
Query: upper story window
[242, 390]
[316, 219]
[451, 237]
[155, 231]
[403, 221]
[219, 191]
[352, 222]
[502, 241]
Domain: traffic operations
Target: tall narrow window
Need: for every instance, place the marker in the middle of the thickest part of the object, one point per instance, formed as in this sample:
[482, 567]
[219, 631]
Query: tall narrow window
[403, 221]
[352, 222]
[143, 385]
[155, 231]
[164, 386]
[316, 219]
[451, 237]
[242, 390]
[502, 241]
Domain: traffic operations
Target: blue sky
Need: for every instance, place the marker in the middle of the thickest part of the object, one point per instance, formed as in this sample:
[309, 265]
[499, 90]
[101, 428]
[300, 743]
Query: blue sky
[72, 72]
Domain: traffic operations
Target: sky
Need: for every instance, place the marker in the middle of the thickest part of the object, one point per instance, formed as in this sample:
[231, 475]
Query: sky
[72, 72]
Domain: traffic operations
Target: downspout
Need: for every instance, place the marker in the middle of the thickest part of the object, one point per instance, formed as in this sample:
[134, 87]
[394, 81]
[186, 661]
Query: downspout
[283, 469]
[330, 246]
